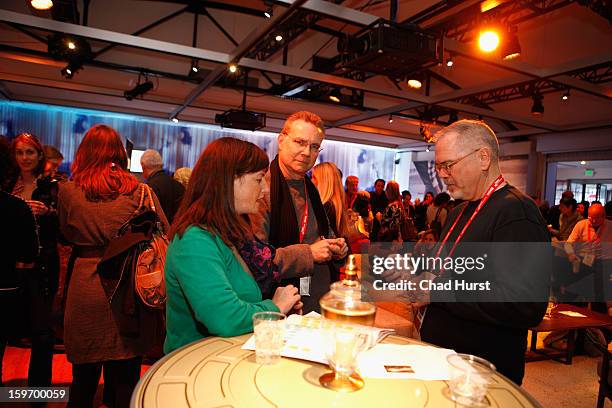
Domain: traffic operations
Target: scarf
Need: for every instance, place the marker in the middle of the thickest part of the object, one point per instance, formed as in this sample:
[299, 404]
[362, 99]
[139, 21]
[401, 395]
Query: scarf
[259, 257]
[284, 228]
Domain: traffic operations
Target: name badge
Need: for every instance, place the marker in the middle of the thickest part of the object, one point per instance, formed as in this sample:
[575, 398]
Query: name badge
[305, 286]
[588, 259]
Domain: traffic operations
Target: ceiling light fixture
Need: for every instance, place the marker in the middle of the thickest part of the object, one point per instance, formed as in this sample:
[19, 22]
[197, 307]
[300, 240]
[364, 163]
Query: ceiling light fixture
[175, 119]
[488, 41]
[278, 38]
[583, 162]
[138, 90]
[414, 83]
[566, 95]
[450, 62]
[334, 96]
[510, 47]
[537, 109]
[71, 69]
[41, 4]
[268, 13]
[427, 148]
[233, 68]
[391, 118]
[71, 45]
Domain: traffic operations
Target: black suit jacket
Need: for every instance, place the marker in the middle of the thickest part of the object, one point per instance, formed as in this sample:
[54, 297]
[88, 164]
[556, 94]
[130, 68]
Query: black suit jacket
[169, 192]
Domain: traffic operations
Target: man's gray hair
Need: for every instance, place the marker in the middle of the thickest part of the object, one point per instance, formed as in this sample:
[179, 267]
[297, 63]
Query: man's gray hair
[151, 159]
[472, 134]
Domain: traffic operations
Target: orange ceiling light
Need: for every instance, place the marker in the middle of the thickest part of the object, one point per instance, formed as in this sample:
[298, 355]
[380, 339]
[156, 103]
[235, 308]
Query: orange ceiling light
[41, 4]
[488, 40]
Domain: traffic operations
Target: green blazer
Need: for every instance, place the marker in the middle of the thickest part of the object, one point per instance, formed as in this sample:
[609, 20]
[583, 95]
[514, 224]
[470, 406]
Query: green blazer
[209, 292]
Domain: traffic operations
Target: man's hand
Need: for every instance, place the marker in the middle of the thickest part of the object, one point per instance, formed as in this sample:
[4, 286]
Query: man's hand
[321, 250]
[573, 258]
[338, 247]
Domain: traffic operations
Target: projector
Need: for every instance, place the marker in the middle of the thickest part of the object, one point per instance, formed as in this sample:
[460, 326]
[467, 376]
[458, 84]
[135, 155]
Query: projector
[241, 119]
[388, 49]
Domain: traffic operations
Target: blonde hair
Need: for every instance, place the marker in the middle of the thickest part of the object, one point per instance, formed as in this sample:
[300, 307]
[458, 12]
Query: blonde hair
[182, 175]
[307, 117]
[330, 188]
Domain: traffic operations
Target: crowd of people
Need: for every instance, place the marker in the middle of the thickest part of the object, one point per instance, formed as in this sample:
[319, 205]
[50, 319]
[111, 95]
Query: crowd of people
[249, 235]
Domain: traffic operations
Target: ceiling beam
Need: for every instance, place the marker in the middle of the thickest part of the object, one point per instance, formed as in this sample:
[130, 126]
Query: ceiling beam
[336, 11]
[237, 53]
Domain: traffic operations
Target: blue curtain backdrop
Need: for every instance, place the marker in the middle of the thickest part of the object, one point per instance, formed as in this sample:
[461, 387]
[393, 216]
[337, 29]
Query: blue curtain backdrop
[180, 144]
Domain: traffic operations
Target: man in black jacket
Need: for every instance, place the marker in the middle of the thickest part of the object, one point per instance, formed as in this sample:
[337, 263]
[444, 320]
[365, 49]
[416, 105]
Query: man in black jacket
[169, 191]
[491, 324]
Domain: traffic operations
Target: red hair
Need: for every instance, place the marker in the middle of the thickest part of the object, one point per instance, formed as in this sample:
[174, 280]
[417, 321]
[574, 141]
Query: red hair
[209, 199]
[33, 141]
[100, 165]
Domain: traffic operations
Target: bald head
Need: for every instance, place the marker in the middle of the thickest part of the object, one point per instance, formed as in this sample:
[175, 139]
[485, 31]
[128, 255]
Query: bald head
[597, 215]
[468, 135]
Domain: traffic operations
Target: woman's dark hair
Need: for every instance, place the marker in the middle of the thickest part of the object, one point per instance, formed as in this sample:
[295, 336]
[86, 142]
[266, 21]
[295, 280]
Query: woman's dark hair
[209, 199]
[569, 202]
[441, 199]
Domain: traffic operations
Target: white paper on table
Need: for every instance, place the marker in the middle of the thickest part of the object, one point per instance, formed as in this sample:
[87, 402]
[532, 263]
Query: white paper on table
[426, 362]
[304, 336]
[571, 313]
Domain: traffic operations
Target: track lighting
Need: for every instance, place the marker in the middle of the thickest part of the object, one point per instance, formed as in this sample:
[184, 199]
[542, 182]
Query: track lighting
[334, 96]
[566, 95]
[391, 118]
[537, 109]
[233, 68]
[488, 41]
[510, 47]
[41, 4]
[138, 90]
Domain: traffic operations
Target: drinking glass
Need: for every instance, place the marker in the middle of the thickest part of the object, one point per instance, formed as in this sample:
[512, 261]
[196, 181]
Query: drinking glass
[470, 377]
[269, 328]
[342, 347]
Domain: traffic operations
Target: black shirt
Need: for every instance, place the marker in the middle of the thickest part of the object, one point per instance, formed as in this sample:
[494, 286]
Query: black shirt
[20, 238]
[493, 330]
[378, 202]
[169, 192]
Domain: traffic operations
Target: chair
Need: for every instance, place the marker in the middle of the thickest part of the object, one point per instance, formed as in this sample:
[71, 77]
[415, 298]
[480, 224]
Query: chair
[605, 380]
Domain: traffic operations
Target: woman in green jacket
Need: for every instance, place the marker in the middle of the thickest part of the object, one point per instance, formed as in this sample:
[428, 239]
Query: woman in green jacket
[210, 266]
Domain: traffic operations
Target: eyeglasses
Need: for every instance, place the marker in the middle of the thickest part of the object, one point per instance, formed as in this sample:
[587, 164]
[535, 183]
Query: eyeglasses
[301, 144]
[447, 166]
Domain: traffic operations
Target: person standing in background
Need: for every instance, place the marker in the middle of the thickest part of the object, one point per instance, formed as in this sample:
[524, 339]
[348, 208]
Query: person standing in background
[168, 191]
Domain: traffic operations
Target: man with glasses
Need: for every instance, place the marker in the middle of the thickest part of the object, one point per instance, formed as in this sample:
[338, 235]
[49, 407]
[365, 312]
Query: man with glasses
[589, 247]
[491, 324]
[292, 217]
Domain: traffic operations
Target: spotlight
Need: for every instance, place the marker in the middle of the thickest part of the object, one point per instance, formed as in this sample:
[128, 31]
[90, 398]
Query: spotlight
[427, 148]
[566, 95]
[71, 69]
[537, 109]
[414, 83]
[175, 119]
[41, 4]
[233, 68]
[334, 96]
[268, 13]
[390, 118]
[278, 38]
[194, 67]
[488, 41]
[450, 62]
[510, 48]
[583, 162]
[138, 90]
[71, 45]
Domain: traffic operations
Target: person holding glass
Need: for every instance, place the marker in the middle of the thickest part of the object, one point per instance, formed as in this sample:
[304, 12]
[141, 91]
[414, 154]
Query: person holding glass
[214, 258]
[40, 193]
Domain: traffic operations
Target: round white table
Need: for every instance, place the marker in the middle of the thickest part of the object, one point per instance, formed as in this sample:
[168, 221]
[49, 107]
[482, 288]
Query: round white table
[216, 372]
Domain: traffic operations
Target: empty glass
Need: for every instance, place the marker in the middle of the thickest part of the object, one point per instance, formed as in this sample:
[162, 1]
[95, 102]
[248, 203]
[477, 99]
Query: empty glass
[342, 348]
[269, 328]
[470, 377]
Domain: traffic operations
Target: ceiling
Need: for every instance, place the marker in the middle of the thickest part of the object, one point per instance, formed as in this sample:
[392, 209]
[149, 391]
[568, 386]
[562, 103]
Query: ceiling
[565, 46]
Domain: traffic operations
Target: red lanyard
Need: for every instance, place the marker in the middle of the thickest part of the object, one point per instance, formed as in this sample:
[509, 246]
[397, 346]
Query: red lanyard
[352, 201]
[305, 216]
[498, 182]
